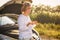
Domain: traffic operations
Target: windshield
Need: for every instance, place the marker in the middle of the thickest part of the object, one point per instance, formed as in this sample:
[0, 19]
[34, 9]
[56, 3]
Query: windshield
[6, 20]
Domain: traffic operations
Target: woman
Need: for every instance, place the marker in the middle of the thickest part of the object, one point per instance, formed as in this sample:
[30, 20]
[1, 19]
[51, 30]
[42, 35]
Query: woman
[25, 24]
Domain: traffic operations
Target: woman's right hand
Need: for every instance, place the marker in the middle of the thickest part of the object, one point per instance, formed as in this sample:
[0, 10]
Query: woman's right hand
[32, 23]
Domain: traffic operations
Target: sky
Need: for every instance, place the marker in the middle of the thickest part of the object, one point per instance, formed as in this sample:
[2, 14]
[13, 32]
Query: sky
[2, 2]
[51, 3]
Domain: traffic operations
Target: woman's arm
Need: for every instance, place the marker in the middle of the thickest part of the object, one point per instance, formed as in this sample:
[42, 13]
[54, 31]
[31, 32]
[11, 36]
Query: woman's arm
[32, 23]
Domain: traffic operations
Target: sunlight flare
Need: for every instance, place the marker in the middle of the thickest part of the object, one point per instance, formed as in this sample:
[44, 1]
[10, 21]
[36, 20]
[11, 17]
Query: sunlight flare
[51, 3]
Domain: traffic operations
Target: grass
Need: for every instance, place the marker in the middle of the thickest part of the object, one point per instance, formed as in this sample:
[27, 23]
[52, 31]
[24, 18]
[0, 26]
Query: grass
[49, 23]
[50, 30]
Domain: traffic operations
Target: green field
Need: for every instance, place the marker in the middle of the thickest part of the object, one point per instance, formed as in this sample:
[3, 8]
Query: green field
[49, 20]
[50, 30]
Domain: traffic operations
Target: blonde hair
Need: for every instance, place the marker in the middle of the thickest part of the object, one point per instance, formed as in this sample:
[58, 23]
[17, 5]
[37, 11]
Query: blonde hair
[24, 6]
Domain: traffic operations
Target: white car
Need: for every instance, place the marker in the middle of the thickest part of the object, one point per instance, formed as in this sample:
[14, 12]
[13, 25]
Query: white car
[6, 28]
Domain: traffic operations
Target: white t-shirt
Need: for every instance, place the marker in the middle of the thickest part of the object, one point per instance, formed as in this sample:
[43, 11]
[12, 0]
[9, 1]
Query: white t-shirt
[24, 30]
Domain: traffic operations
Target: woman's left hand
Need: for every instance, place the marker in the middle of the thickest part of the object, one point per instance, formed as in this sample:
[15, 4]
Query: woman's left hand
[34, 22]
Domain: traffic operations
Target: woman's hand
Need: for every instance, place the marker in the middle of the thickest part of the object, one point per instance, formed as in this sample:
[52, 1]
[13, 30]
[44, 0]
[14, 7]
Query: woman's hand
[32, 23]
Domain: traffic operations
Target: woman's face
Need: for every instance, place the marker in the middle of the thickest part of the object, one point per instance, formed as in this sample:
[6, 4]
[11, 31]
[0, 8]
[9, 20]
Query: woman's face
[28, 10]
